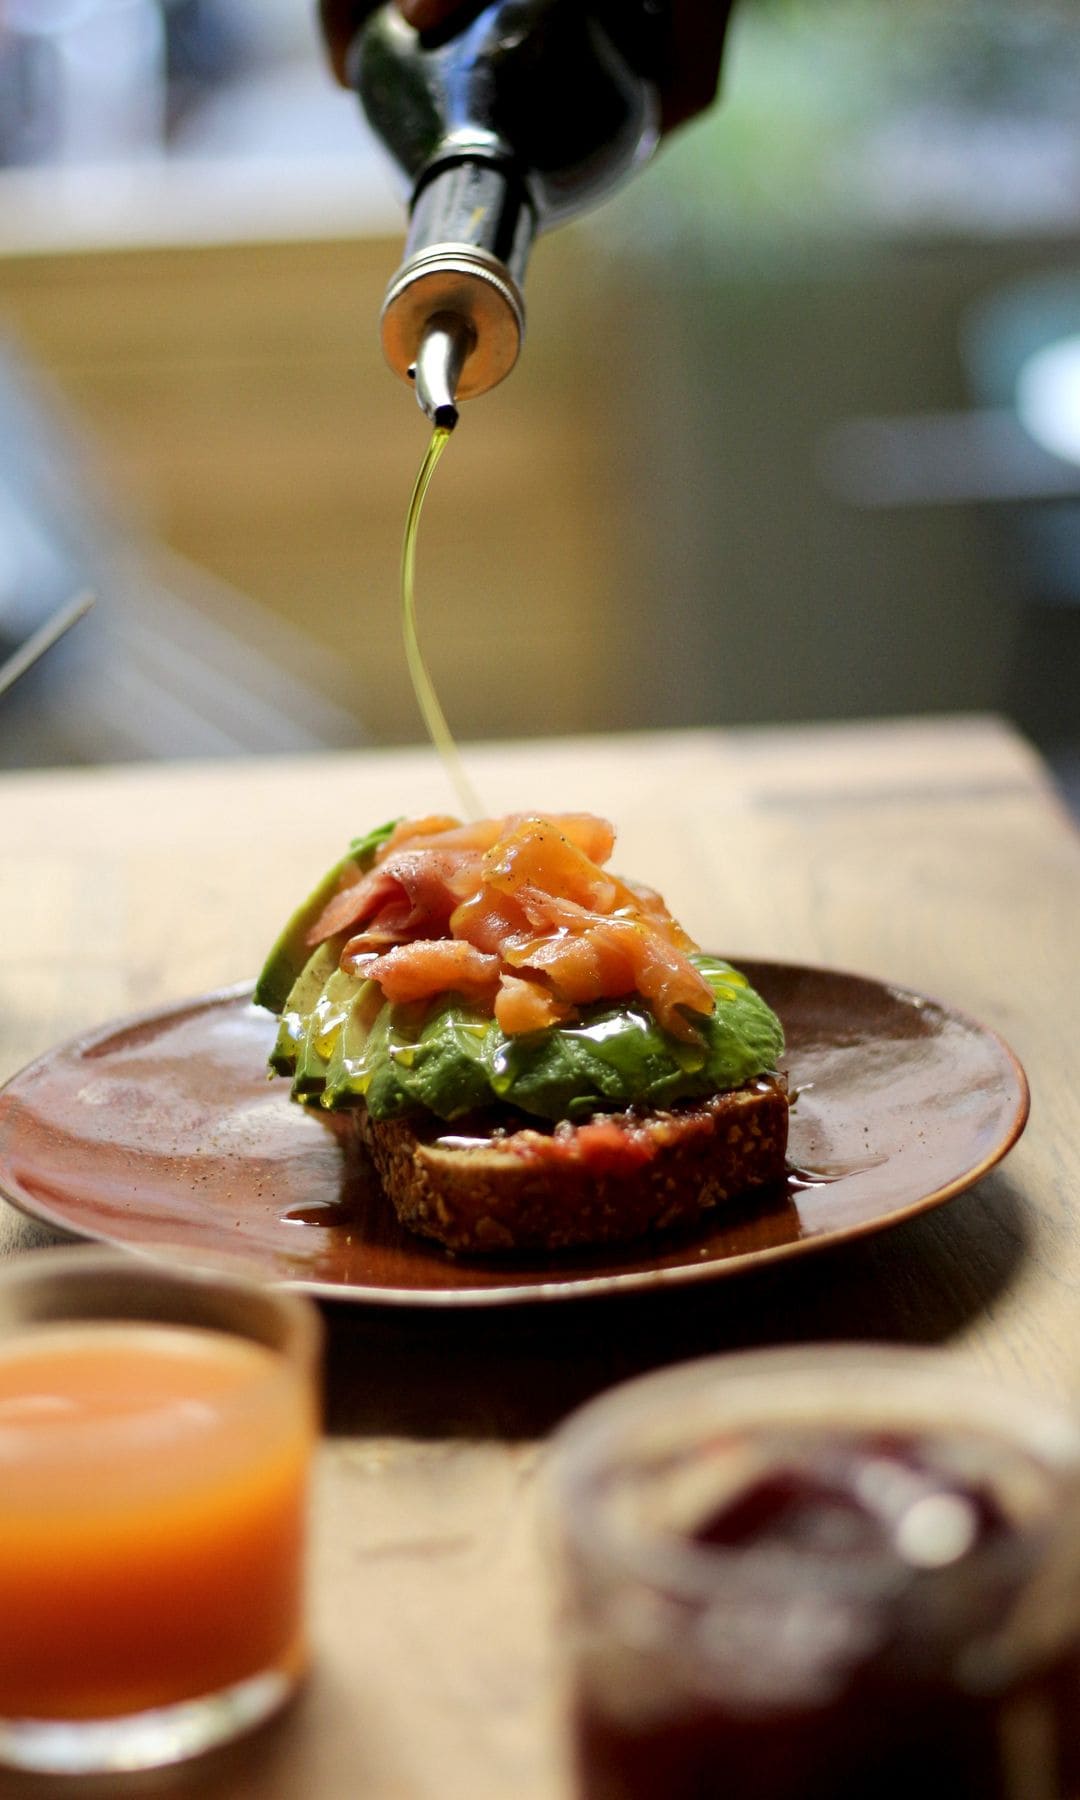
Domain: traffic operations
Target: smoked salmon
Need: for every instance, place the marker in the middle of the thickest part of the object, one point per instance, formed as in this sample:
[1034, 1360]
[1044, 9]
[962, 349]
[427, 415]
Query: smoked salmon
[519, 917]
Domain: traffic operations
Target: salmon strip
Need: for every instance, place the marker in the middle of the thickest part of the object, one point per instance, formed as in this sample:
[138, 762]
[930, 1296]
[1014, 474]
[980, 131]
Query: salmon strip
[414, 892]
[523, 1005]
[491, 921]
[437, 863]
[595, 837]
[538, 855]
[646, 900]
[516, 914]
[431, 966]
[438, 833]
[534, 856]
[351, 905]
[589, 957]
[669, 981]
[409, 831]
[548, 912]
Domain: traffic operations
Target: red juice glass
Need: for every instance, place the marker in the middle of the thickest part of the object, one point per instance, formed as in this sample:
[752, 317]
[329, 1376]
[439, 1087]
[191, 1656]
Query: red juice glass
[821, 1574]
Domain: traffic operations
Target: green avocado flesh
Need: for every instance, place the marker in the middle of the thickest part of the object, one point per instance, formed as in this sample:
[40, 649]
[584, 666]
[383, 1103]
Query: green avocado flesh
[342, 1043]
[286, 961]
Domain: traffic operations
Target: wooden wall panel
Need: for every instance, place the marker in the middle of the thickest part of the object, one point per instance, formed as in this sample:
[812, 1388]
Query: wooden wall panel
[237, 401]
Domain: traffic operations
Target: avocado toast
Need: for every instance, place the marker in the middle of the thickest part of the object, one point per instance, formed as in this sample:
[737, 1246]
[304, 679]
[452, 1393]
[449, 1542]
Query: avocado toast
[535, 1053]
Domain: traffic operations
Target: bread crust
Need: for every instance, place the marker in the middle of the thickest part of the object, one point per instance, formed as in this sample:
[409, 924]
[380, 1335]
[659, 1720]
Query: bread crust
[487, 1189]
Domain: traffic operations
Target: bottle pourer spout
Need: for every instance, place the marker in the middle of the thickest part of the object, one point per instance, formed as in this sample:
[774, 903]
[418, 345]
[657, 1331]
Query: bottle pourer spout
[444, 346]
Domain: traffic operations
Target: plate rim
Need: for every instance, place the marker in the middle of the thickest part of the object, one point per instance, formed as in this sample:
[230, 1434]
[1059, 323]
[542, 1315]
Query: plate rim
[543, 1291]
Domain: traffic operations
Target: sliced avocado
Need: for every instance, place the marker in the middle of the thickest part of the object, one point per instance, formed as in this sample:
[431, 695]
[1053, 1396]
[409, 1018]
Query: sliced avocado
[324, 1025]
[360, 1043]
[452, 1058]
[399, 1058]
[299, 1000]
[286, 961]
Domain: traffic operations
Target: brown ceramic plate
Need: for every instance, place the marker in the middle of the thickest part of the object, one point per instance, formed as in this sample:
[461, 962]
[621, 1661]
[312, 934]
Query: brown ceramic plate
[165, 1130]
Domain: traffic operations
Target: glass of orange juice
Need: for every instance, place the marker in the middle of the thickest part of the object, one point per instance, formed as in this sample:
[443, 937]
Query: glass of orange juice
[157, 1426]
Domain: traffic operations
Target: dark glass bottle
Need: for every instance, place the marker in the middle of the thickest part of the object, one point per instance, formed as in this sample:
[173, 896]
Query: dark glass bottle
[527, 114]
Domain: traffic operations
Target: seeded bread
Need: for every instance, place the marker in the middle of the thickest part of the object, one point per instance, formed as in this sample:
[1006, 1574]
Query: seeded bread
[484, 1187]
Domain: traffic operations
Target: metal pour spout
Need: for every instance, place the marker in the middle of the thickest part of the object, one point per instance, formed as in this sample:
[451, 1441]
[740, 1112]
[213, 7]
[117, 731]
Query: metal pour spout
[453, 316]
[444, 346]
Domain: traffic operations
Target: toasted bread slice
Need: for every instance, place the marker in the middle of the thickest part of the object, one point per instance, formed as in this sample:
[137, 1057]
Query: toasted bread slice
[487, 1187]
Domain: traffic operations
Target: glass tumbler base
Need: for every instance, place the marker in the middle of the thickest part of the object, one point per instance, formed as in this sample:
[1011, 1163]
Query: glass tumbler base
[143, 1740]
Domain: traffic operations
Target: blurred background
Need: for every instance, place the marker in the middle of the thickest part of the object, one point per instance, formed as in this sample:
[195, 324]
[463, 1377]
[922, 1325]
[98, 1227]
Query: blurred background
[795, 435]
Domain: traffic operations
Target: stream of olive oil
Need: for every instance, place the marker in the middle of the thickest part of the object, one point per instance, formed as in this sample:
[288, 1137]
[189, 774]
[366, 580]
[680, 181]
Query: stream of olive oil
[426, 697]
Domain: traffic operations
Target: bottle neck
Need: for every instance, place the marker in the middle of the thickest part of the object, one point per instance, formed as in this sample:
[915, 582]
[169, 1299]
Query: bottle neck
[458, 289]
[474, 200]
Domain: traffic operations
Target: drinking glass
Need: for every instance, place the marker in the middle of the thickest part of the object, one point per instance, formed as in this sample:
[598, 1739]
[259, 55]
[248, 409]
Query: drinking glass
[820, 1574]
[157, 1425]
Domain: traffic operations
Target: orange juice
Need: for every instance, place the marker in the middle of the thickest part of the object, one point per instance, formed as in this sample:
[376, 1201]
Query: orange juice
[152, 1501]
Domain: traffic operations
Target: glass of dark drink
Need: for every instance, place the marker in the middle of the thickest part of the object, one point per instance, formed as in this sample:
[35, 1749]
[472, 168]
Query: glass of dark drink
[838, 1573]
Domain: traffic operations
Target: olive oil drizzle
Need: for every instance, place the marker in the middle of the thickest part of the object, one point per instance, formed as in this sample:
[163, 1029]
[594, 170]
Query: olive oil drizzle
[423, 687]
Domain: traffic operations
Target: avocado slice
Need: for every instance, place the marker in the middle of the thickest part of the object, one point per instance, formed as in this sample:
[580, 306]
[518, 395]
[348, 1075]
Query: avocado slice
[300, 999]
[287, 959]
[324, 1024]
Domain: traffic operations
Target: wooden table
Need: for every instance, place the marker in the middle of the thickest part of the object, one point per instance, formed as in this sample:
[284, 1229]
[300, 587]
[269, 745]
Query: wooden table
[933, 853]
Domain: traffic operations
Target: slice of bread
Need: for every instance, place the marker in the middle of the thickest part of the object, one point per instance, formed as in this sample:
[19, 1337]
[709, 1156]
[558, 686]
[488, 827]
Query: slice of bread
[486, 1187]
